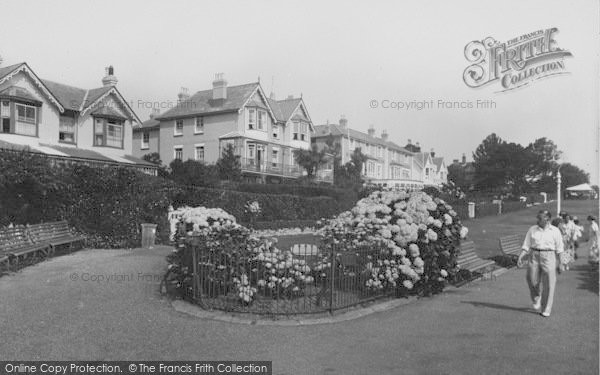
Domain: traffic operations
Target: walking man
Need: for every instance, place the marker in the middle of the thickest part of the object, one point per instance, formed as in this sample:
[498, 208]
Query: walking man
[542, 244]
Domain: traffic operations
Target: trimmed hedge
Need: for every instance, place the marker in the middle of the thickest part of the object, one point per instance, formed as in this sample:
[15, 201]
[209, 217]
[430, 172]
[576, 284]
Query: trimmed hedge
[108, 204]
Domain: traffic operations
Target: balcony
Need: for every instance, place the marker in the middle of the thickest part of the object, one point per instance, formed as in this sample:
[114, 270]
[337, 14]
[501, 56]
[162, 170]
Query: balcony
[282, 170]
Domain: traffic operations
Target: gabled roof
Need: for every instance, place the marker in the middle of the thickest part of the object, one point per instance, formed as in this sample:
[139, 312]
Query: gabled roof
[106, 111]
[337, 130]
[148, 124]
[7, 73]
[422, 157]
[70, 97]
[439, 161]
[202, 102]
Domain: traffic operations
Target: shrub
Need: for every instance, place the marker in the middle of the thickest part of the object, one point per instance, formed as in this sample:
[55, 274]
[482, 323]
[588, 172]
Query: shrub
[419, 239]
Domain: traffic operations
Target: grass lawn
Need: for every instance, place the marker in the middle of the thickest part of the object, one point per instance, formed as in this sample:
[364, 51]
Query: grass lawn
[485, 231]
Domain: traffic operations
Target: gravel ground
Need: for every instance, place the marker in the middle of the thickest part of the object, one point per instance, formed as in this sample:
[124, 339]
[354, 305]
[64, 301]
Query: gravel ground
[106, 305]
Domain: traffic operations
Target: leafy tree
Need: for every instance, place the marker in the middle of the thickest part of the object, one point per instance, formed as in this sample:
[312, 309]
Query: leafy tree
[458, 175]
[350, 174]
[544, 163]
[572, 175]
[310, 159]
[229, 166]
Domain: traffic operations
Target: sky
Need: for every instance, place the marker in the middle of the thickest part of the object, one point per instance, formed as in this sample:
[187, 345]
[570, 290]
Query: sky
[352, 58]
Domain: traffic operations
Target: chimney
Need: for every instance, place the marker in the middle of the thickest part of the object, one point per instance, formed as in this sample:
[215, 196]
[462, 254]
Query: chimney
[272, 96]
[371, 131]
[409, 142]
[155, 112]
[109, 79]
[343, 121]
[219, 87]
[455, 161]
[384, 135]
[183, 94]
[432, 153]
[290, 97]
[464, 159]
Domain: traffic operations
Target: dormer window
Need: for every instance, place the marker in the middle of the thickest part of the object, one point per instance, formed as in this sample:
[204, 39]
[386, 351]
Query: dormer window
[108, 132]
[66, 131]
[25, 113]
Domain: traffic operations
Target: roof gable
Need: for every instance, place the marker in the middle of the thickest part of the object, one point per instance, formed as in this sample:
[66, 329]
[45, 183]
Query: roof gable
[70, 97]
[95, 97]
[9, 72]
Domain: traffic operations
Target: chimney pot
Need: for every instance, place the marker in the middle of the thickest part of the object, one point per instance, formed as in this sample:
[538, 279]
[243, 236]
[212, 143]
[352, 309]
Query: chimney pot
[371, 131]
[183, 94]
[384, 135]
[109, 79]
[343, 121]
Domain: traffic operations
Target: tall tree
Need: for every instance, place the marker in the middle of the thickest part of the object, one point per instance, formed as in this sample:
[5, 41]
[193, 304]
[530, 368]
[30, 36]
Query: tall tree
[489, 172]
[228, 165]
[311, 159]
[457, 174]
[544, 163]
[572, 175]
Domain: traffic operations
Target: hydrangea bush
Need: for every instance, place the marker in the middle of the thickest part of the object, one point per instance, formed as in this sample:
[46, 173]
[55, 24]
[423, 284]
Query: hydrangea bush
[416, 236]
[231, 259]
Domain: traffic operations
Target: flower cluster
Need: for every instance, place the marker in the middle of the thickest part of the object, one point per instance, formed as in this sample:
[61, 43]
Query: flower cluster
[200, 218]
[252, 207]
[416, 235]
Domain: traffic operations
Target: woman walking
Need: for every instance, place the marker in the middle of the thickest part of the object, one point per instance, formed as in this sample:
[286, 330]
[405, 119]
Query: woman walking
[593, 231]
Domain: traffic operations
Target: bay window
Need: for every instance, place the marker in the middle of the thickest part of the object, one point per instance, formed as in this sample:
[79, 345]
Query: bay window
[108, 132]
[66, 130]
[251, 118]
[26, 120]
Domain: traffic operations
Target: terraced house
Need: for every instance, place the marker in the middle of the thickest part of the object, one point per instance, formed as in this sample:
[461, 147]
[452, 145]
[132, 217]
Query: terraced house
[388, 164]
[65, 123]
[263, 131]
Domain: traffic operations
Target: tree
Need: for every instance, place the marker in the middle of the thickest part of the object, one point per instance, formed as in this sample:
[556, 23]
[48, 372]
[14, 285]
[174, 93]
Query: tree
[229, 166]
[154, 158]
[572, 175]
[544, 163]
[310, 159]
[489, 172]
[457, 174]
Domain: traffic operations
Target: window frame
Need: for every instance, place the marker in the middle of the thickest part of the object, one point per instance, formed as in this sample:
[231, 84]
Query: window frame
[251, 122]
[24, 119]
[175, 132]
[196, 148]
[199, 121]
[145, 143]
[73, 126]
[175, 150]
[105, 123]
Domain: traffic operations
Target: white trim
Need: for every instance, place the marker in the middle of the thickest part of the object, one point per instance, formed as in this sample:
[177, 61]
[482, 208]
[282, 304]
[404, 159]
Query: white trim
[264, 97]
[38, 82]
[147, 145]
[196, 131]
[175, 133]
[113, 90]
[196, 151]
[175, 153]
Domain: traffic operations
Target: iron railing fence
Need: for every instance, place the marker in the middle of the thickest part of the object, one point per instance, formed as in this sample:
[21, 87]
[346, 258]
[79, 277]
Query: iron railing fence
[304, 278]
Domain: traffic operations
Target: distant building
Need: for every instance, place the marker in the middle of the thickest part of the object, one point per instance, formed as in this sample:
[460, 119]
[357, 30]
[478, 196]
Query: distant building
[65, 123]
[388, 164]
[263, 131]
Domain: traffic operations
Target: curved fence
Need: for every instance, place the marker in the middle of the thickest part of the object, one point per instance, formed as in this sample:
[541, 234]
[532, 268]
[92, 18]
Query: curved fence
[329, 281]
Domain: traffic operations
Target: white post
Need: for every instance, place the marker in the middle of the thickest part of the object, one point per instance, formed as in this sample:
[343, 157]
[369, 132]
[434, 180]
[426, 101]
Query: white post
[558, 181]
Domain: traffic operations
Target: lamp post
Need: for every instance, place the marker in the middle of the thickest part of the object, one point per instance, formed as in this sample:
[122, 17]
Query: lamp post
[558, 181]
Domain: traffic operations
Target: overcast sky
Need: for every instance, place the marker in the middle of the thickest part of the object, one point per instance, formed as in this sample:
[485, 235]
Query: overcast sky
[339, 55]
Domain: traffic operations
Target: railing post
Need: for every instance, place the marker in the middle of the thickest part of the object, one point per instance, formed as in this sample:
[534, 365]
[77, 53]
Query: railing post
[196, 279]
[332, 279]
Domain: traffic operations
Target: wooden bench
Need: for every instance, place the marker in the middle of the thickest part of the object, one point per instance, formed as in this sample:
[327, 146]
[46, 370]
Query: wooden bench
[54, 234]
[16, 244]
[470, 261]
[511, 245]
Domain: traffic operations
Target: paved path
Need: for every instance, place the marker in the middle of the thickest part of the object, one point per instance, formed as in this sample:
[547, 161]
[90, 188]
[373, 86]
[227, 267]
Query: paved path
[483, 328]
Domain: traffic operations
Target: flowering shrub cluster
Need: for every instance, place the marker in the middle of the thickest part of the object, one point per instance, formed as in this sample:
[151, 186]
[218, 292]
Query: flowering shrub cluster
[417, 238]
[231, 259]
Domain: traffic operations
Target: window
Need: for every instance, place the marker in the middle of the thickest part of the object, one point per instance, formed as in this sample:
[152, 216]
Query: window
[379, 152]
[199, 154]
[25, 113]
[178, 152]
[145, 140]
[262, 119]
[114, 134]
[251, 118]
[178, 127]
[275, 131]
[303, 131]
[108, 133]
[296, 130]
[379, 170]
[66, 130]
[275, 157]
[199, 125]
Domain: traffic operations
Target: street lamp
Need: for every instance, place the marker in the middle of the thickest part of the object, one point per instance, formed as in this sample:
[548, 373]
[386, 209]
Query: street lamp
[558, 181]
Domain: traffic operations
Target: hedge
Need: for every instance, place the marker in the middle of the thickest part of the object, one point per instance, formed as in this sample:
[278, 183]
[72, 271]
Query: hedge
[108, 204]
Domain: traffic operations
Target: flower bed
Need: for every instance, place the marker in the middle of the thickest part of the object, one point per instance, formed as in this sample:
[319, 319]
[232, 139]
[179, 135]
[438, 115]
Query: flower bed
[390, 243]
